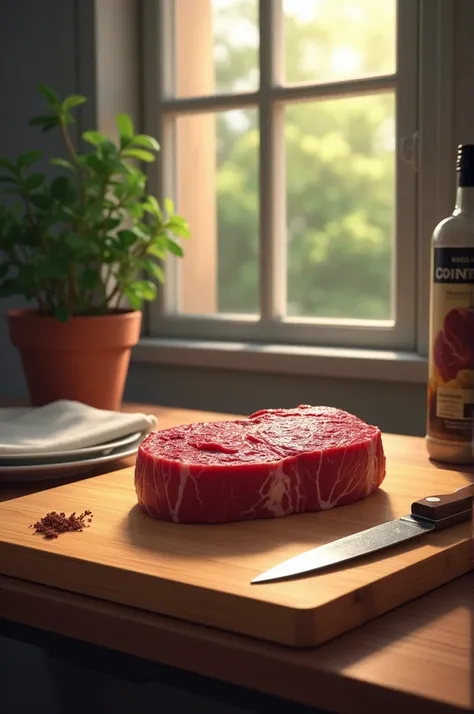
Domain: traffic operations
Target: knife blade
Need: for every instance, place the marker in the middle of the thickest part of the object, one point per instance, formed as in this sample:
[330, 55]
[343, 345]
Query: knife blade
[432, 513]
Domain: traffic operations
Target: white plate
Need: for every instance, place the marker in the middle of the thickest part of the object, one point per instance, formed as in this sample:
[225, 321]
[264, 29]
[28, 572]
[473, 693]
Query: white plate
[49, 471]
[67, 456]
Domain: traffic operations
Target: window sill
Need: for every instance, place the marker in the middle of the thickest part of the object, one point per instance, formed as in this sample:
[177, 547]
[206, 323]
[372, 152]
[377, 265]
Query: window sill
[378, 365]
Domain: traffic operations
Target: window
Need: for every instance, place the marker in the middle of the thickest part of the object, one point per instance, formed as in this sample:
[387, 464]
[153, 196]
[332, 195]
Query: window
[288, 132]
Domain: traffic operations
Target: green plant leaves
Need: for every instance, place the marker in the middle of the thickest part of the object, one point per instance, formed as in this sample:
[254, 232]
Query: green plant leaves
[89, 279]
[156, 249]
[140, 154]
[68, 235]
[169, 206]
[111, 223]
[49, 94]
[153, 269]
[62, 313]
[147, 142]
[174, 247]
[33, 182]
[28, 158]
[82, 248]
[135, 210]
[52, 266]
[179, 226]
[127, 238]
[145, 288]
[13, 191]
[96, 138]
[125, 128]
[5, 164]
[138, 291]
[61, 190]
[41, 201]
[93, 162]
[134, 300]
[45, 121]
[62, 162]
[8, 288]
[151, 205]
[74, 100]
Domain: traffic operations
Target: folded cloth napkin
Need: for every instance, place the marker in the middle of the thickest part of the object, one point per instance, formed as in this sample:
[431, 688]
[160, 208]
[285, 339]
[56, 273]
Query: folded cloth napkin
[63, 426]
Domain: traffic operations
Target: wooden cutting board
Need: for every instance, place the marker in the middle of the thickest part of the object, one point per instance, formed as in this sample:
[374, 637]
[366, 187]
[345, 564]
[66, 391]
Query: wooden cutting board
[202, 573]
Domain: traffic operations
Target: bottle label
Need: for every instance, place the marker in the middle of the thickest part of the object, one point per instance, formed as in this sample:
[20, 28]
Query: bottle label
[451, 371]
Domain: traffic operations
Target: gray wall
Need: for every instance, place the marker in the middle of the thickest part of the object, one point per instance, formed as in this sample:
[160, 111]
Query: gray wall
[394, 407]
[37, 46]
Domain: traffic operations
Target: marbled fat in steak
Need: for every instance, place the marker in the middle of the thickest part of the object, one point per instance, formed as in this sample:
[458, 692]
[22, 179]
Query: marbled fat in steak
[274, 463]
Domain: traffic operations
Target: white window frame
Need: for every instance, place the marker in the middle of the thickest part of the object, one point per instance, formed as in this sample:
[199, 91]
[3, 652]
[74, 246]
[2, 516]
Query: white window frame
[424, 189]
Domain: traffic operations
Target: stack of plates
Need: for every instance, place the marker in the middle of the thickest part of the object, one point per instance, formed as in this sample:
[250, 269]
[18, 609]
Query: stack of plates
[56, 464]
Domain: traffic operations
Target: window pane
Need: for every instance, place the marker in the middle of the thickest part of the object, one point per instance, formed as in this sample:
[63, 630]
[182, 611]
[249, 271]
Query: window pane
[333, 40]
[340, 172]
[217, 178]
[216, 45]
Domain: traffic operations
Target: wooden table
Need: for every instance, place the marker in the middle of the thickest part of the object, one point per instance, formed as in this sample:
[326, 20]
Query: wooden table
[420, 656]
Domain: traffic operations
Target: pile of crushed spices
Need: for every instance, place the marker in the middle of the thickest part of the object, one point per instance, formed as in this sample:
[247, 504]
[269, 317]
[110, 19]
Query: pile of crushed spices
[55, 523]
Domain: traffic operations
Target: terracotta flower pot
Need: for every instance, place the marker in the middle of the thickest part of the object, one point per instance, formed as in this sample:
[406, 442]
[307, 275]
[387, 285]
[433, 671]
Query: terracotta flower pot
[85, 359]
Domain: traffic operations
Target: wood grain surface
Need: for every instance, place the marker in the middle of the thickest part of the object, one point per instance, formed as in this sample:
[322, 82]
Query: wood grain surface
[417, 658]
[202, 573]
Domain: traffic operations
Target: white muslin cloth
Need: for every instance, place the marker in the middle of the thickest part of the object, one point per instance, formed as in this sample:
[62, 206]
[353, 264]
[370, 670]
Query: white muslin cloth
[65, 425]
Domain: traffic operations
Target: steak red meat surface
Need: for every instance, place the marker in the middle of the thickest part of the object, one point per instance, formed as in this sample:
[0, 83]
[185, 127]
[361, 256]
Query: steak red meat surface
[454, 344]
[274, 463]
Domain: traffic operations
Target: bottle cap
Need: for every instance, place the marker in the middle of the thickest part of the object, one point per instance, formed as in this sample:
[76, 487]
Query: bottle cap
[465, 164]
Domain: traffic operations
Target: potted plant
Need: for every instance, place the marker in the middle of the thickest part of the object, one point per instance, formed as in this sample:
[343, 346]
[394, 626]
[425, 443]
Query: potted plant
[87, 245]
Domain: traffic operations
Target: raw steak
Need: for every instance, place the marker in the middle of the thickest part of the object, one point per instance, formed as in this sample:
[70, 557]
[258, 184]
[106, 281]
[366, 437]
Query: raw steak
[274, 463]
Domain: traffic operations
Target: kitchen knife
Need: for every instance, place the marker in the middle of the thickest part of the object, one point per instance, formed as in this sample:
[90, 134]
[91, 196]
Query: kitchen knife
[432, 513]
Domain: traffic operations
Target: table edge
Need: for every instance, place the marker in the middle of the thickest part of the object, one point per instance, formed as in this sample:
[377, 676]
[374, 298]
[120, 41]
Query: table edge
[202, 650]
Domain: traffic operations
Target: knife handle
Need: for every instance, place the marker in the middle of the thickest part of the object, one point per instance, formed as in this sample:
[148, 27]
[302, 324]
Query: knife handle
[450, 506]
